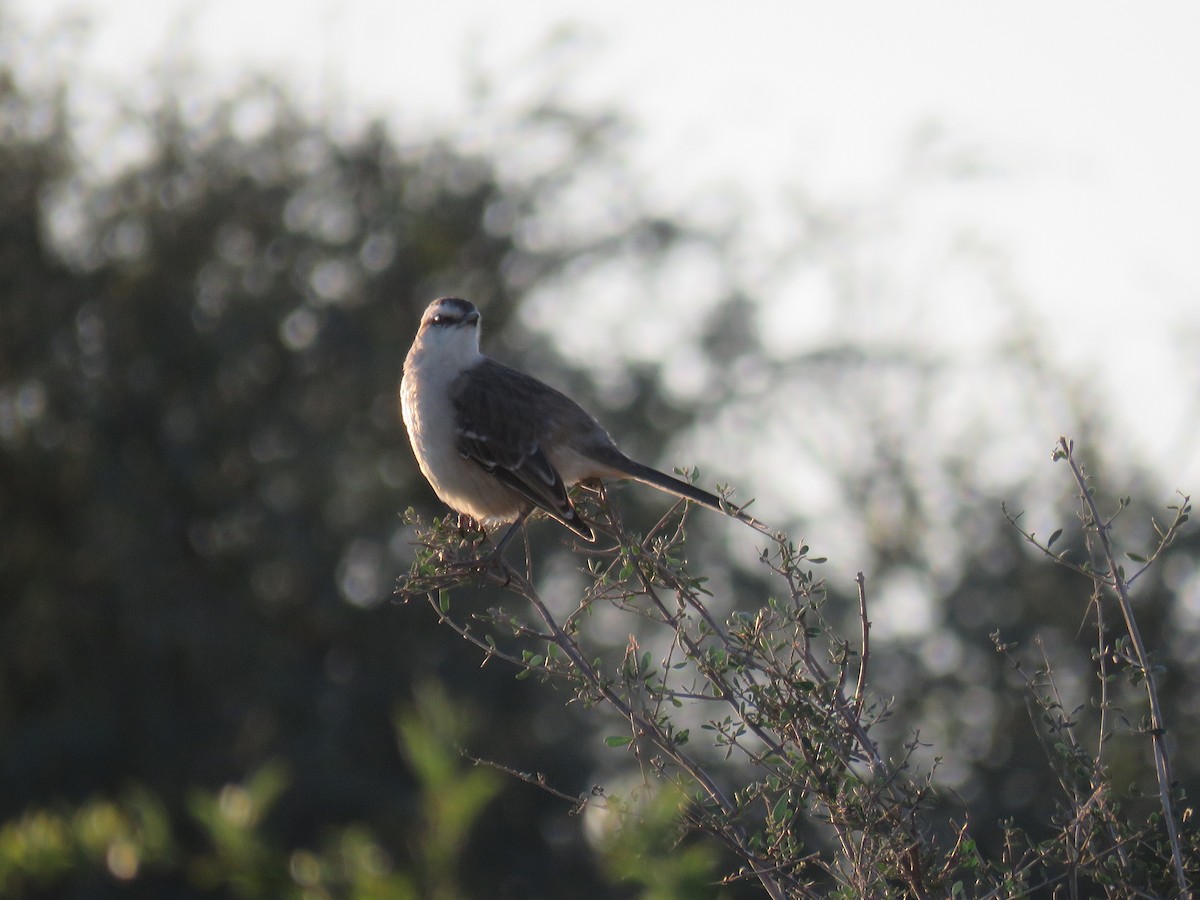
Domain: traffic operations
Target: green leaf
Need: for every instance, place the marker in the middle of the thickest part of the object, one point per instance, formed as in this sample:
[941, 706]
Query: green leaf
[1137, 558]
[618, 740]
[444, 601]
[780, 809]
[1053, 537]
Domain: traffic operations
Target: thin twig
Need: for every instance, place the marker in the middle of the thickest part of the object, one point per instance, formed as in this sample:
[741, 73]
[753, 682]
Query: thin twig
[644, 727]
[860, 688]
[1117, 582]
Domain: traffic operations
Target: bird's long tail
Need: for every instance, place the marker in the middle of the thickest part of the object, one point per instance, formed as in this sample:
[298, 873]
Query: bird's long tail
[680, 488]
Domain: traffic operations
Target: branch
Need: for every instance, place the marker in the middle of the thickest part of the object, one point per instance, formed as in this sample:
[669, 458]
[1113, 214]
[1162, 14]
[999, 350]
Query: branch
[1120, 587]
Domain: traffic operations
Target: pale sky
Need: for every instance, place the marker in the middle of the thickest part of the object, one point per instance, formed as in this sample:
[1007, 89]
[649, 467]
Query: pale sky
[1089, 107]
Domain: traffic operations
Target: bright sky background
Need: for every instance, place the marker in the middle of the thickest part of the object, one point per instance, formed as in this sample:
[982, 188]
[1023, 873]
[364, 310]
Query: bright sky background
[1089, 106]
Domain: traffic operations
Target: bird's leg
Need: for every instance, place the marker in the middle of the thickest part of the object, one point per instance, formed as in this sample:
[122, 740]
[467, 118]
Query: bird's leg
[512, 530]
[495, 560]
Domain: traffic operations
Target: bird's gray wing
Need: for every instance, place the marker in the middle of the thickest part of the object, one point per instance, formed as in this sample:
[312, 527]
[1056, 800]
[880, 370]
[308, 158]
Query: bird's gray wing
[498, 428]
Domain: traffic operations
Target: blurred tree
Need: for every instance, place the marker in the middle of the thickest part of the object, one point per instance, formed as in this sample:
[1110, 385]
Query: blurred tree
[202, 469]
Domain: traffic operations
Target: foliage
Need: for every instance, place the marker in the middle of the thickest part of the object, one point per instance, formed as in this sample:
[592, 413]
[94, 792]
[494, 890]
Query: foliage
[815, 806]
[134, 838]
[642, 843]
[452, 798]
[43, 846]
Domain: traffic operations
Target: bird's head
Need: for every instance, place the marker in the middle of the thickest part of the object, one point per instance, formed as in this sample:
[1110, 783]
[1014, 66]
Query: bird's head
[450, 327]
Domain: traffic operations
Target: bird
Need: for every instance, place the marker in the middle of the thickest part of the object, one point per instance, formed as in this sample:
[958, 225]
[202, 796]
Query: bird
[496, 443]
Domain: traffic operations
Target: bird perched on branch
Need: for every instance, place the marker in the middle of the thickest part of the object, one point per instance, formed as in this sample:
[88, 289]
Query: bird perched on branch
[495, 443]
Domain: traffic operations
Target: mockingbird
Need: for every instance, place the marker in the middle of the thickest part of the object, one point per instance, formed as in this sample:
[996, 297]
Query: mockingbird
[496, 443]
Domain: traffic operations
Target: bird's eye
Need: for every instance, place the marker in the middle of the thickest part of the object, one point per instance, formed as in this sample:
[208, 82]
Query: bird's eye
[441, 319]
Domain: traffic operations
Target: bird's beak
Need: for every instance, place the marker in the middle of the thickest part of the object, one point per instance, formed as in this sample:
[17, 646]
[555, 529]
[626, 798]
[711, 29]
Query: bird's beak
[471, 318]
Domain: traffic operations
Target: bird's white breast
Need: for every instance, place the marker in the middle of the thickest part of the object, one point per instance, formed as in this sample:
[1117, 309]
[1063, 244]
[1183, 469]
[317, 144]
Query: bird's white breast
[430, 418]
